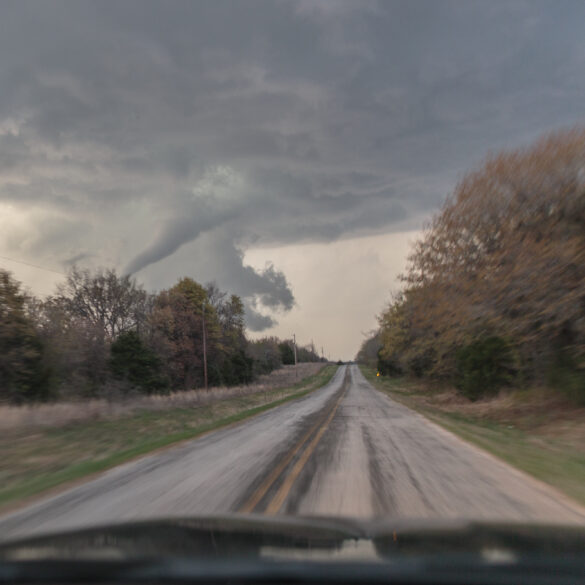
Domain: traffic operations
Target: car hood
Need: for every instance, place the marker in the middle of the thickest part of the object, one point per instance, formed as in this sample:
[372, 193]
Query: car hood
[256, 549]
[249, 536]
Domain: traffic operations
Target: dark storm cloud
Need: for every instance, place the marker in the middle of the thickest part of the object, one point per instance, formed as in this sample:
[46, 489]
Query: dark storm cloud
[179, 231]
[256, 321]
[214, 257]
[259, 288]
[129, 130]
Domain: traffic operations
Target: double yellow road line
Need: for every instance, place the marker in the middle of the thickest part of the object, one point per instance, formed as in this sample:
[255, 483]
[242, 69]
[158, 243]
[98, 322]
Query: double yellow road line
[279, 498]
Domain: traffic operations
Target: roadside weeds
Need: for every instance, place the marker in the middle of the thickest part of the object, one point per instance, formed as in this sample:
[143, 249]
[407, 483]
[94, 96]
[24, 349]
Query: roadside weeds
[523, 438]
[35, 460]
[68, 412]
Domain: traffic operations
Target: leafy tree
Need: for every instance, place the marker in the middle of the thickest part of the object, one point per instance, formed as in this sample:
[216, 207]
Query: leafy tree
[265, 354]
[23, 374]
[307, 354]
[101, 325]
[368, 353]
[237, 369]
[287, 354]
[75, 349]
[132, 361]
[483, 367]
[505, 257]
[177, 333]
[387, 366]
[234, 366]
[178, 338]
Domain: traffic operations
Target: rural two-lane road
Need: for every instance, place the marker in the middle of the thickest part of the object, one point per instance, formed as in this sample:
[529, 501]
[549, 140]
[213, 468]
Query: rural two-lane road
[346, 449]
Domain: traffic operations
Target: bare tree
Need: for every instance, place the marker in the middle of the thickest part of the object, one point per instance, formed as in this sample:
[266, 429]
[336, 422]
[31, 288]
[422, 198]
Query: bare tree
[113, 303]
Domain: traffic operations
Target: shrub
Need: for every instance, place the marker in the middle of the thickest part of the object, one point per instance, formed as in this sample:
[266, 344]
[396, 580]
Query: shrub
[421, 363]
[237, 369]
[23, 374]
[567, 376]
[132, 361]
[483, 367]
[287, 354]
[387, 366]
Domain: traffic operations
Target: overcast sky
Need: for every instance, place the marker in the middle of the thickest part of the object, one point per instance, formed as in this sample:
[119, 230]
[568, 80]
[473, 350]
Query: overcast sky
[288, 150]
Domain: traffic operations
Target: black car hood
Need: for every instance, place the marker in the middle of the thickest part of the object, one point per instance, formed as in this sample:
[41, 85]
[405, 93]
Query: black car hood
[259, 549]
[249, 536]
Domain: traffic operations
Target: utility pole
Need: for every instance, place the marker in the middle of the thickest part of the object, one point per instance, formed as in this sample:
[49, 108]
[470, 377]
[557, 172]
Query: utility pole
[204, 346]
[295, 350]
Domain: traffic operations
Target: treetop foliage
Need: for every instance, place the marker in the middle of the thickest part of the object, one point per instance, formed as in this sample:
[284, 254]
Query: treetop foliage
[505, 258]
[23, 375]
[103, 334]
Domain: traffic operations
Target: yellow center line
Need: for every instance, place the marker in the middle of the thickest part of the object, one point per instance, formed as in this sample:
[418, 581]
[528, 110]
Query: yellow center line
[266, 485]
[281, 495]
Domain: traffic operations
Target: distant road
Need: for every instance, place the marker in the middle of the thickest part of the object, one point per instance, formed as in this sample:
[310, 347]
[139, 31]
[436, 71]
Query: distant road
[345, 449]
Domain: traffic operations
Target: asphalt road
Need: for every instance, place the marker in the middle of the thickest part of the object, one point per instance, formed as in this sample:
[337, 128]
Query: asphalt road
[345, 450]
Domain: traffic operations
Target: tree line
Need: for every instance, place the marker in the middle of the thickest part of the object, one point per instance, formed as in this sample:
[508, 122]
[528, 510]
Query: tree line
[494, 291]
[103, 334]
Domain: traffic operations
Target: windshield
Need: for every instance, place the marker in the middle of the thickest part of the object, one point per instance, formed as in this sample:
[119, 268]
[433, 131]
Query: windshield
[298, 258]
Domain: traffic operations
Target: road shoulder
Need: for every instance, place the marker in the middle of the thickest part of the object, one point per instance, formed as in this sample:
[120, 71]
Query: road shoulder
[42, 462]
[550, 465]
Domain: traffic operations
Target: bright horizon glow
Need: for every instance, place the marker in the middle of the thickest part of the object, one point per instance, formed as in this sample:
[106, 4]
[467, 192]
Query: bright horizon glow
[339, 288]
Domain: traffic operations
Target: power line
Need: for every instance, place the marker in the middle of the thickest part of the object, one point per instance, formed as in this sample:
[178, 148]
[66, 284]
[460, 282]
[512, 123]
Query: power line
[32, 265]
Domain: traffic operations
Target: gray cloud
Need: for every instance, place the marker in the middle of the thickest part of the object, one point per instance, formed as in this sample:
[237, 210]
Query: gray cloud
[266, 288]
[213, 256]
[178, 231]
[132, 132]
[255, 321]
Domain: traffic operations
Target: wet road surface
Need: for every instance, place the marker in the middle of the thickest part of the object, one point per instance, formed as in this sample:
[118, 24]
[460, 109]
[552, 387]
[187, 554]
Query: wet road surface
[344, 450]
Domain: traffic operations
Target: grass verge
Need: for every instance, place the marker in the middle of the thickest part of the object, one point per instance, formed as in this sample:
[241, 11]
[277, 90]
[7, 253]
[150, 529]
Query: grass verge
[34, 461]
[559, 463]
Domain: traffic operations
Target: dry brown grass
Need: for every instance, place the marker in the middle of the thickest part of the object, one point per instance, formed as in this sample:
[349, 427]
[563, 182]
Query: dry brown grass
[538, 410]
[63, 413]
